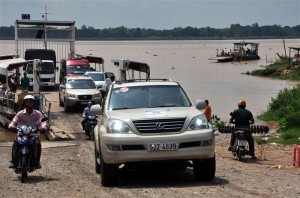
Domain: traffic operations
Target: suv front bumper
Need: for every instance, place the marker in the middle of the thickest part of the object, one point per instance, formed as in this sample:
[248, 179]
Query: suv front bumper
[123, 148]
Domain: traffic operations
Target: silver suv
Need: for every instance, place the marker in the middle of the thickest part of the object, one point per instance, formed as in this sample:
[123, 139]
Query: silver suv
[150, 122]
[78, 90]
[99, 78]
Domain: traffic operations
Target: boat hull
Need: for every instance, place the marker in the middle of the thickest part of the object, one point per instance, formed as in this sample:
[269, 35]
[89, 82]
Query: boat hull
[234, 59]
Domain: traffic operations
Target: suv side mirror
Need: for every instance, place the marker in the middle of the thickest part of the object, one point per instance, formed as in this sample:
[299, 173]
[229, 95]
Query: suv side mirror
[96, 109]
[200, 104]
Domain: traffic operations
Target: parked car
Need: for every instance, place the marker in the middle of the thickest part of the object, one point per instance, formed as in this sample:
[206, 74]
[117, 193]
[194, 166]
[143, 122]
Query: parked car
[99, 78]
[152, 122]
[78, 90]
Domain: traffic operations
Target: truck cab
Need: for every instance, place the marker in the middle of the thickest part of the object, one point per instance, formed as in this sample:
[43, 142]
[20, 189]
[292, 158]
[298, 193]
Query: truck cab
[46, 77]
[77, 66]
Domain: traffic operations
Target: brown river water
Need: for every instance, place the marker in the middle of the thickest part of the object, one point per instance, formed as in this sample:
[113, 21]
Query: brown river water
[186, 62]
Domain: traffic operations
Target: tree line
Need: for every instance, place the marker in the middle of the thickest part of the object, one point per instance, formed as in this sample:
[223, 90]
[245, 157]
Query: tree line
[253, 31]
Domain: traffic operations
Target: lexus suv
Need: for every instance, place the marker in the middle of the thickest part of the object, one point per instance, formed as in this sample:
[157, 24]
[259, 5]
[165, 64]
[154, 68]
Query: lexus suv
[148, 123]
[78, 90]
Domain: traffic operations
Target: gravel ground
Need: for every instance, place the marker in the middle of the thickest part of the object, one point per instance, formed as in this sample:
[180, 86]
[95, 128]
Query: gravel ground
[68, 171]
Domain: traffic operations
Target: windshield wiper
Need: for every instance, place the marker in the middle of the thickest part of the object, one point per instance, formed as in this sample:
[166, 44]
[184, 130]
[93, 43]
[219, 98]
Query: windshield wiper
[119, 108]
[163, 106]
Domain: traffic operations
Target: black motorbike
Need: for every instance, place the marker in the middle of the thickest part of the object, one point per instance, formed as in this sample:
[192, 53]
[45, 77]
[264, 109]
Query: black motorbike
[241, 147]
[26, 156]
[90, 125]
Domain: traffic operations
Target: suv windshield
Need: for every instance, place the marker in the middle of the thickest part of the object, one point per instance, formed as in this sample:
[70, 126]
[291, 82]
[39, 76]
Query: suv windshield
[148, 97]
[81, 84]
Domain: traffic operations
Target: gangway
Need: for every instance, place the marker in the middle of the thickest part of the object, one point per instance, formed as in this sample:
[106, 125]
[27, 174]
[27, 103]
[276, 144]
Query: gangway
[128, 69]
[45, 34]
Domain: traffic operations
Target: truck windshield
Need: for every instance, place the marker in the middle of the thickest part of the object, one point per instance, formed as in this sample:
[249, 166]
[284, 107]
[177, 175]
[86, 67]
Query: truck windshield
[47, 68]
[77, 69]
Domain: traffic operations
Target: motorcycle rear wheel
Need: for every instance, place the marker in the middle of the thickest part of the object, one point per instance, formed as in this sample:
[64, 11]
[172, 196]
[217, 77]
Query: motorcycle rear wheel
[24, 169]
[239, 155]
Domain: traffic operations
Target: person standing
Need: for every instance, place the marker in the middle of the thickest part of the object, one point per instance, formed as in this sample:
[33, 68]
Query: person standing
[242, 118]
[25, 82]
[207, 111]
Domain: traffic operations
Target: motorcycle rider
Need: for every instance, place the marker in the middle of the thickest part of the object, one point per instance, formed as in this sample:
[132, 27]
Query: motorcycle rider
[31, 117]
[86, 113]
[242, 117]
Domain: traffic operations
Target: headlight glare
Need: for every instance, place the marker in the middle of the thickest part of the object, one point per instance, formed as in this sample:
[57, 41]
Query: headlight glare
[198, 123]
[118, 126]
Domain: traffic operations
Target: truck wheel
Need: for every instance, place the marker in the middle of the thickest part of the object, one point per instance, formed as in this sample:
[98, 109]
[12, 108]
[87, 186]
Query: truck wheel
[205, 170]
[109, 173]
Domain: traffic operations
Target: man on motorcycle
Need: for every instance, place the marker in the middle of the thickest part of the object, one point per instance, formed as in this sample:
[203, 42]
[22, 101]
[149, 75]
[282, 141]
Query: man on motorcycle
[85, 115]
[31, 117]
[242, 117]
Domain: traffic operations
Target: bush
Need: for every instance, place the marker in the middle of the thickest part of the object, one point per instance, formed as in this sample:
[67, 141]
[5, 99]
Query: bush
[285, 107]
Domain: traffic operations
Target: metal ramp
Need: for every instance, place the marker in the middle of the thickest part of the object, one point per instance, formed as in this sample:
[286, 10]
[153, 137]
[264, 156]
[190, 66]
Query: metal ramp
[42, 34]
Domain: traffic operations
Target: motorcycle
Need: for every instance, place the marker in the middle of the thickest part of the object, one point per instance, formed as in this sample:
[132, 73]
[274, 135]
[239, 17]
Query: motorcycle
[26, 156]
[90, 125]
[241, 147]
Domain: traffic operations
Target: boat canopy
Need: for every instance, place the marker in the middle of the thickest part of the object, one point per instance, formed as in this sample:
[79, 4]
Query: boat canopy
[10, 64]
[240, 46]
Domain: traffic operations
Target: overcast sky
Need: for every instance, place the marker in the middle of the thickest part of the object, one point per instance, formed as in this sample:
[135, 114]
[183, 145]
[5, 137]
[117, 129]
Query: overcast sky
[156, 14]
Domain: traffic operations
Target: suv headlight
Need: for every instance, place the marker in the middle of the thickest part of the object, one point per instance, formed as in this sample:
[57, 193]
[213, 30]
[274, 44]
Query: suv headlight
[98, 94]
[198, 122]
[70, 95]
[118, 126]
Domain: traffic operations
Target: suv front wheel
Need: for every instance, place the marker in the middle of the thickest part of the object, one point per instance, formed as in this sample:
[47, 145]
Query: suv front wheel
[109, 173]
[205, 170]
[66, 107]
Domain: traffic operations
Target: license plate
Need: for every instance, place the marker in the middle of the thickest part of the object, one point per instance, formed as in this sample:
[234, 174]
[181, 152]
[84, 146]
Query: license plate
[84, 102]
[168, 146]
[241, 142]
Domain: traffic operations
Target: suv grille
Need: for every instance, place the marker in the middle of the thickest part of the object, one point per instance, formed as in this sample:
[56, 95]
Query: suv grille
[159, 125]
[85, 97]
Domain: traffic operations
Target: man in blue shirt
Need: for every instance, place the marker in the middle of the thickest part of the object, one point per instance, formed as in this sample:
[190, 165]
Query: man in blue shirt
[85, 114]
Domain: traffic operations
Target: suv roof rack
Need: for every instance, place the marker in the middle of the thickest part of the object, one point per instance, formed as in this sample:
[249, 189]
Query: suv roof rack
[144, 80]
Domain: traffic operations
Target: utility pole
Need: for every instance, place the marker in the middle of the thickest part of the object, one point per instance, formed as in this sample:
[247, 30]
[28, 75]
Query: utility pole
[45, 18]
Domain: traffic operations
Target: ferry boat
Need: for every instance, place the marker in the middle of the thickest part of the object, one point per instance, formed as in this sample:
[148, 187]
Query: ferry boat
[242, 51]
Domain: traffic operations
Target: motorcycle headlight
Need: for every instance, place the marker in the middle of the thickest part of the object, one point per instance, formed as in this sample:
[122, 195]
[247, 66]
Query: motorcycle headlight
[118, 126]
[24, 129]
[199, 122]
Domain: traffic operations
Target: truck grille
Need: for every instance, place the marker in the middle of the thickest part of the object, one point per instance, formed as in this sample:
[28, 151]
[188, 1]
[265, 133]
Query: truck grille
[45, 79]
[85, 97]
[159, 125]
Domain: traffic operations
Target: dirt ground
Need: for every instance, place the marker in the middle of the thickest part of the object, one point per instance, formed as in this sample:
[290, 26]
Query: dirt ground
[68, 171]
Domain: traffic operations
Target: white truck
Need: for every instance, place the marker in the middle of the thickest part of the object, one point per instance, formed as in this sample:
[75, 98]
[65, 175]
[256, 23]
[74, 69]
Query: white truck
[46, 77]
